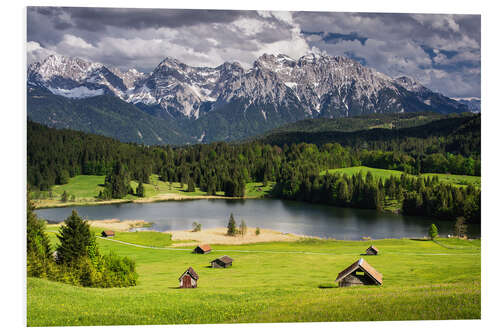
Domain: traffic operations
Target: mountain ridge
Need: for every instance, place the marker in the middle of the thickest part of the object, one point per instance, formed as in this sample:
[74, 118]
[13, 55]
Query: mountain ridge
[229, 102]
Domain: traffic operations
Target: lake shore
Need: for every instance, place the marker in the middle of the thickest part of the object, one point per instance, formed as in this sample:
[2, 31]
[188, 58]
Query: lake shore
[40, 204]
[219, 236]
[115, 224]
[205, 236]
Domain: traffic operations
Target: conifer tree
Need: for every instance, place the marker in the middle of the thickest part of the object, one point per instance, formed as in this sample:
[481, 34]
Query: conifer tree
[140, 191]
[231, 226]
[38, 250]
[433, 231]
[75, 238]
[191, 186]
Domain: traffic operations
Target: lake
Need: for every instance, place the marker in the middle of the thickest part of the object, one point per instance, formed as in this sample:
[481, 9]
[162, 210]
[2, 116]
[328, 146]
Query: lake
[285, 216]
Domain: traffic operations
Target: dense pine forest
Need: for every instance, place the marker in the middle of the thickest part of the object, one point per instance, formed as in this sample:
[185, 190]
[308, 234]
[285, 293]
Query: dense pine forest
[444, 144]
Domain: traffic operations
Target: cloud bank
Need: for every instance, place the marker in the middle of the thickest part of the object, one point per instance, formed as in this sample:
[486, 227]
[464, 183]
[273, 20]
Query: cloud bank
[441, 51]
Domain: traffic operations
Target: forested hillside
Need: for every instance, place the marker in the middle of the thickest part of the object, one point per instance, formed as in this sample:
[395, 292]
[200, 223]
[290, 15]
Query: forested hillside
[415, 134]
[451, 146]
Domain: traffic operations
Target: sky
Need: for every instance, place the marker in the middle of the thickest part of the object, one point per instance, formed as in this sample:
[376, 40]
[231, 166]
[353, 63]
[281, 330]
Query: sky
[443, 52]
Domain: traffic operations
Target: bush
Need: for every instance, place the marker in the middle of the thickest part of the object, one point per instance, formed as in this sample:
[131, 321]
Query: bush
[257, 231]
[243, 228]
[196, 226]
[64, 196]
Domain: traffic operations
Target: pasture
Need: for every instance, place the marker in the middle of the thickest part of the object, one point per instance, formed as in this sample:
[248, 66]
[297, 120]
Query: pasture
[272, 282]
[459, 180]
[85, 189]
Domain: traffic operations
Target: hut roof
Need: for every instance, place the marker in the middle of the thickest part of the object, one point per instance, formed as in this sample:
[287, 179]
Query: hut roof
[191, 272]
[365, 267]
[373, 248]
[224, 259]
[109, 232]
[205, 247]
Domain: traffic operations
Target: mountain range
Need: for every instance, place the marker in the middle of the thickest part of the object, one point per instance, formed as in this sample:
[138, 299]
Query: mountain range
[178, 104]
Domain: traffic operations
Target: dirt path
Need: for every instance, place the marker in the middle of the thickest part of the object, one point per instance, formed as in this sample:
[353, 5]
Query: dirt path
[278, 252]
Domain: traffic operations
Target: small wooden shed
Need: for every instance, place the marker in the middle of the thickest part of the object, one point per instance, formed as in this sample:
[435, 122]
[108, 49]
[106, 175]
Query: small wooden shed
[188, 279]
[107, 233]
[222, 262]
[372, 251]
[202, 249]
[359, 273]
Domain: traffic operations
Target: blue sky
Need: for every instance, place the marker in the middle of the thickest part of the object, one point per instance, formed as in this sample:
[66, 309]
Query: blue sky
[443, 52]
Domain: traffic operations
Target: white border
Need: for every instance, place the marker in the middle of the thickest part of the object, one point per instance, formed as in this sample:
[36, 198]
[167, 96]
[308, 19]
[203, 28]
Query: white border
[13, 138]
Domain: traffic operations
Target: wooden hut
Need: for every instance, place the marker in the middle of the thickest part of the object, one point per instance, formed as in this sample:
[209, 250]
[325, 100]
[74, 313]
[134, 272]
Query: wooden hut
[202, 249]
[222, 262]
[188, 279]
[359, 273]
[371, 251]
[107, 233]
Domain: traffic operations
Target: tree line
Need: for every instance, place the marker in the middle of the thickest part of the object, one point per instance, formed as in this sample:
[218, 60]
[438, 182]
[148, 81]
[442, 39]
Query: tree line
[424, 196]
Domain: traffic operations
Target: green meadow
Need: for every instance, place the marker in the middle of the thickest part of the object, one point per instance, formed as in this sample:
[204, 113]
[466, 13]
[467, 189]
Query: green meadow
[85, 189]
[460, 180]
[271, 282]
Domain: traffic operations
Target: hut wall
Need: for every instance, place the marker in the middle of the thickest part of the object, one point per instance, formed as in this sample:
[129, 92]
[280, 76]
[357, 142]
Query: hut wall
[216, 264]
[354, 279]
[193, 282]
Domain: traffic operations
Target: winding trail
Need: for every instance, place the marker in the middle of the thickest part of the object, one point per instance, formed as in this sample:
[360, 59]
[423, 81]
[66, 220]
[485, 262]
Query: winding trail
[281, 252]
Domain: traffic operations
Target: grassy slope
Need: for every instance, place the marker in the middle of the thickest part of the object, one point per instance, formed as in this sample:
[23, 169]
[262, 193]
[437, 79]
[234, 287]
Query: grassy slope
[274, 287]
[86, 188]
[384, 173]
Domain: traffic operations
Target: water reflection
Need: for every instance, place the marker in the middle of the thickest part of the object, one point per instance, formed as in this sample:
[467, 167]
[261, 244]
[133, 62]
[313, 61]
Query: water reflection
[285, 216]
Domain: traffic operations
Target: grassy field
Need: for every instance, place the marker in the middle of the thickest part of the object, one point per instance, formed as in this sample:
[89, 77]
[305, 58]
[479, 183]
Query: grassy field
[461, 180]
[148, 238]
[273, 282]
[86, 188]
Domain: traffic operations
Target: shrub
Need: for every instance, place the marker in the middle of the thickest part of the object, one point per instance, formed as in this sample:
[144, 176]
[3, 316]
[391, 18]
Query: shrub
[196, 226]
[257, 231]
[243, 228]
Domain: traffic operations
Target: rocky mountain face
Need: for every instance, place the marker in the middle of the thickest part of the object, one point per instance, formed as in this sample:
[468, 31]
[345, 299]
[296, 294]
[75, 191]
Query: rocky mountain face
[229, 102]
[473, 103]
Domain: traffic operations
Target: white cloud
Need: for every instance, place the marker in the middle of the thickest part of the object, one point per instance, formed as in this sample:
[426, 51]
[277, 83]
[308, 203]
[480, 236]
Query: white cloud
[35, 52]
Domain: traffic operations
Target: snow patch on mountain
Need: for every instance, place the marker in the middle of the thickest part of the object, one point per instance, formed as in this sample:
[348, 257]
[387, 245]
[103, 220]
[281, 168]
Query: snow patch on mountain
[78, 92]
[315, 85]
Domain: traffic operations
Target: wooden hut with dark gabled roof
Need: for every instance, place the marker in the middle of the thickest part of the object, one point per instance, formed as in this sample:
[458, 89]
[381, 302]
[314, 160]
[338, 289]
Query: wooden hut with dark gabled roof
[107, 233]
[359, 273]
[202, 249]
[222, 262]
[188, 279]
[372, 251]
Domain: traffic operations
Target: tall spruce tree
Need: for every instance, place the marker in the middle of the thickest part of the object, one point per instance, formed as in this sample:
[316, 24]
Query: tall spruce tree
[75, 238]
